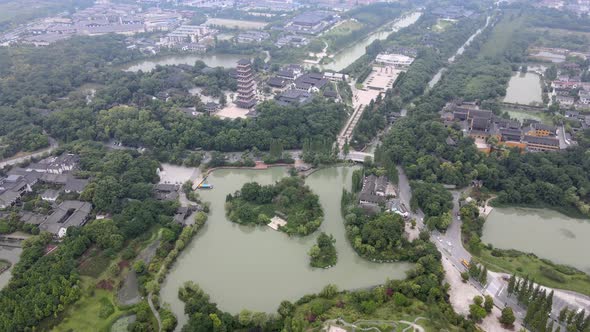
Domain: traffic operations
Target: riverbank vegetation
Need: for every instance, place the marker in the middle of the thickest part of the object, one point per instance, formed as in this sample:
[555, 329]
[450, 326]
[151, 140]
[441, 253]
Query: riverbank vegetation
[323, 254]
[362, 21]
[422, 294]
[289, 199]
[516, 262]
[380, 236]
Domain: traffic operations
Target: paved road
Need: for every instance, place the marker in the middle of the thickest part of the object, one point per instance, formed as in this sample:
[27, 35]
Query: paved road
[13, 161]
[451, 246]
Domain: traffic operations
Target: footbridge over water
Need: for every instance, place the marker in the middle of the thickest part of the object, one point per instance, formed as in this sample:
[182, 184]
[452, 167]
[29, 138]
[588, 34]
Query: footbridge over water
[357, 156]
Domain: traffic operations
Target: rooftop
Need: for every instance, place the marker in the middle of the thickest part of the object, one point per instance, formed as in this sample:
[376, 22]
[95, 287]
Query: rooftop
[67, 214]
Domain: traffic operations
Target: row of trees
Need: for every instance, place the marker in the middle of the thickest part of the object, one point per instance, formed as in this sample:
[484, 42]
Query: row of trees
[540, 305]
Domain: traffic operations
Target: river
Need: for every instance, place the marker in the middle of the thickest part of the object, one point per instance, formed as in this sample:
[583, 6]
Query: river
[350, 54]
[524, 89]
[546, 233]
[256, 267]
[340, 61]
[460, 51]
[211, 60]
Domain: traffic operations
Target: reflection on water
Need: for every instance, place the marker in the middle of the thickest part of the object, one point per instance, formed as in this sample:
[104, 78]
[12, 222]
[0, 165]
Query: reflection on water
[546, 233]
[524, 89]
[211, 60]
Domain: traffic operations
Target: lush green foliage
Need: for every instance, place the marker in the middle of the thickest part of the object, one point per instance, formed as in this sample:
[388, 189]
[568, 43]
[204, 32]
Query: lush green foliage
[370, 17]
[289, 198]
[421, 294]
[32, 78]
[381, 236]
[418, 141]
[323, 254]
[43, 285]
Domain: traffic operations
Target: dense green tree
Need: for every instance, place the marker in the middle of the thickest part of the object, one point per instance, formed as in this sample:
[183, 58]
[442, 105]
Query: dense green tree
[507, 318]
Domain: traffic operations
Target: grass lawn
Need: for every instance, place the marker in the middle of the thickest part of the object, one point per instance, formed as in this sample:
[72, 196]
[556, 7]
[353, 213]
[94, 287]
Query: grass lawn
[95, 264]
[521, 115]
[442, 25]
[85, 313]
[501, 35]
[530, 265]
[381, 317]
[343, 28]
[4, 264]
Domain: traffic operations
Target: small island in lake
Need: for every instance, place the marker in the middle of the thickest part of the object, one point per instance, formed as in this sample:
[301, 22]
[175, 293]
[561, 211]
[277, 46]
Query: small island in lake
[294, 208]
[323, 254]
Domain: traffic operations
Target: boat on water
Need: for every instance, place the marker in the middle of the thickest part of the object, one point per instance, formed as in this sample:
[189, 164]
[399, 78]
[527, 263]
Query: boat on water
[205, 186]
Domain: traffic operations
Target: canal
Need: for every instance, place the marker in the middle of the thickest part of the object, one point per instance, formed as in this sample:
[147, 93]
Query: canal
[460, 51]
[340, 61]
[256, 267]
[350, 54]
[546, 233]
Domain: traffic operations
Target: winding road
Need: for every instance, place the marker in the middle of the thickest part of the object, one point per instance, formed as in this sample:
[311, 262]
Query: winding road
[53, 144]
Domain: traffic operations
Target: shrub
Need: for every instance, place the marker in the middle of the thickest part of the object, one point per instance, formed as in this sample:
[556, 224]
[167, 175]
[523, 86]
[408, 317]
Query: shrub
[552, 274]
[106, 308]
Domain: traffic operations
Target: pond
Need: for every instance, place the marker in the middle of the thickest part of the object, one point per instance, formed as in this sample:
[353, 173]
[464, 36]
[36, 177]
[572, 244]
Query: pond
[211, 60]
[257, 267]
[523, 115]
[524, 89]
[546, 233]
[350, 54]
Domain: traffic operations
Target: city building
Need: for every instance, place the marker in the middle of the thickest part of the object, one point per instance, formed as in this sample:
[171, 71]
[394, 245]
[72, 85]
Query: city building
[396, 60]
[12, 188]
[67, 214]
[293, 97]
[541, 130]
[584, 96]
[55, 165]
[536, 143]
[482, 124]
[312, 22]
[166, 192]
[249, 37]
[277, 82]
[50, 195]
[246, 84]
[310, 82]
[566, 101]
[188, 34]
[292, 40]
[374, 190]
